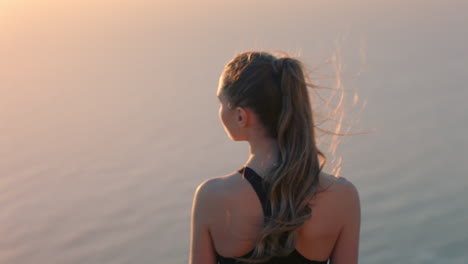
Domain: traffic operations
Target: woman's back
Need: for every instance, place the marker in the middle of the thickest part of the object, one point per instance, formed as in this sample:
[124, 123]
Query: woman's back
[235, 217]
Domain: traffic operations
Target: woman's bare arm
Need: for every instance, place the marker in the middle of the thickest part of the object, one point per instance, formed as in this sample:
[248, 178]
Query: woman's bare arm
[346, 250]
[201, 246]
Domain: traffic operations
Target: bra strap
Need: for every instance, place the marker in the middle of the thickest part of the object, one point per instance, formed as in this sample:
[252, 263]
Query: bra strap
[257, 183]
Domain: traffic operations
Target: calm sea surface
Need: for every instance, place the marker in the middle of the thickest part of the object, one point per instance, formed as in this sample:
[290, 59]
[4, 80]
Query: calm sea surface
[109, 121]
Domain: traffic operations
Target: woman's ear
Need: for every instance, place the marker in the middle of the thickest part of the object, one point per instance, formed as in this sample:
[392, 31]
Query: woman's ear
[241, 116]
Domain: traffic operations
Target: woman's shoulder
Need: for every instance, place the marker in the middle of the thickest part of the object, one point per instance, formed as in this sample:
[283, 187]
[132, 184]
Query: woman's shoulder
[332, 188]
[218, 186]
[335, 182]
[205, 196]
[328, 183]
[217, 192]
[337, 187]
[336, 200]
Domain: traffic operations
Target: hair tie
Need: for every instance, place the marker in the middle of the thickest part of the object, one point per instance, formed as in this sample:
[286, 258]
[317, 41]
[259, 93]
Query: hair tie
[278, 66]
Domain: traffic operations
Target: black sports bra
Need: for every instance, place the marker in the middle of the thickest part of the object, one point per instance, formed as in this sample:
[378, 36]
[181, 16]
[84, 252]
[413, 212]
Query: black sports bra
[295, 257]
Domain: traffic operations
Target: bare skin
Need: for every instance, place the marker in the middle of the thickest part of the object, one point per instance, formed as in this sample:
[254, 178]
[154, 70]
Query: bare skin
[227, 214]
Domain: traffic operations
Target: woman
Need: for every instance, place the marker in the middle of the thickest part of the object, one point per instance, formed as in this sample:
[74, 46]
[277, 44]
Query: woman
[279, 207]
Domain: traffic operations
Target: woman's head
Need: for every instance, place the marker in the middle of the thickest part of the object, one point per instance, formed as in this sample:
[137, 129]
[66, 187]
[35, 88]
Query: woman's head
[272, 92]
[250, 84]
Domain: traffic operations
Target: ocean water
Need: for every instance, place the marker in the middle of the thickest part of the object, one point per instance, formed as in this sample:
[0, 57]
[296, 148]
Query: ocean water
[109, 121]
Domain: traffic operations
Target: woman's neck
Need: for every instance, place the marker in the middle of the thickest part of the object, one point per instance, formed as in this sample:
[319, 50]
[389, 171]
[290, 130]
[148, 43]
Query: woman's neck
[264, 154]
